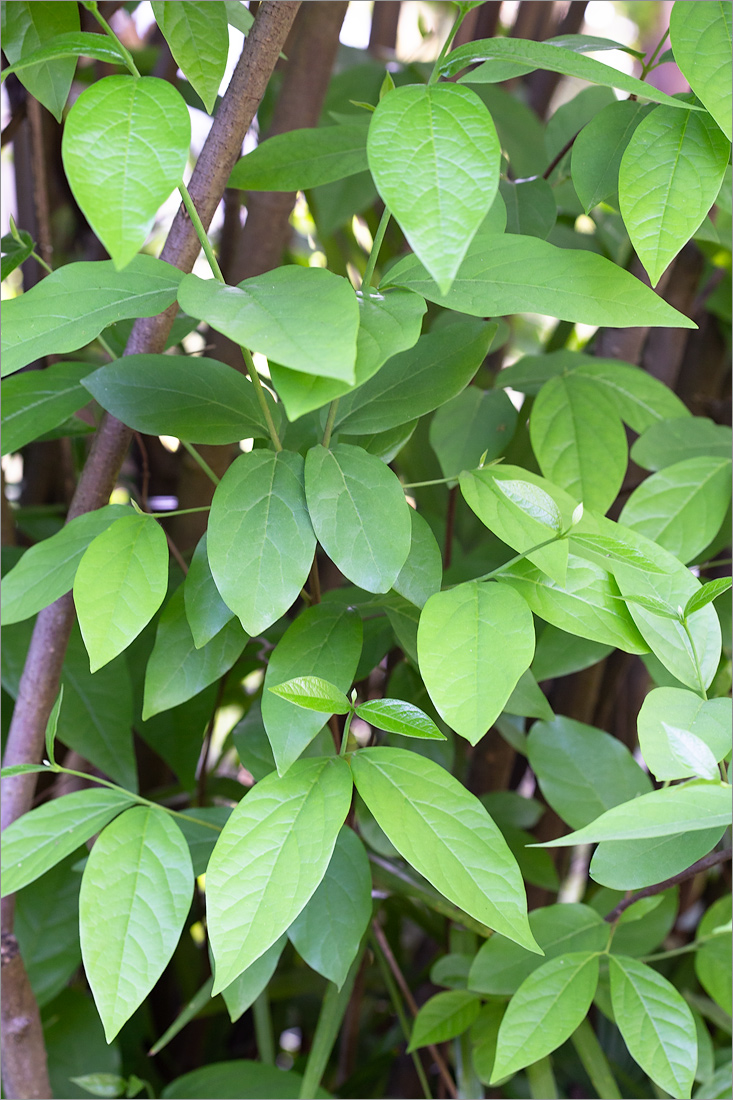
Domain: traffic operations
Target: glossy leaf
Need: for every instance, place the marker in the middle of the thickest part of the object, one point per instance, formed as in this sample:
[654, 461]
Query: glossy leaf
[673, 440]
[313, 693]
[614, 550]
[198, 36]
[598, 149]
[474, 642]
[443, 1017]
[205, 609]
[397, 716]
[27, 25]
[434, 156]
[124, 148]
[421, 575]
[706, 595]
[474, 423]
[260, 542]
[72, 44]
[678, 731]
[634, 864]
[701, 40]
[241, 994]
[640, 398]
[270, 858]
[301, 159]
[36, 402]
[135, 895]
[444, 832]
[120, 583]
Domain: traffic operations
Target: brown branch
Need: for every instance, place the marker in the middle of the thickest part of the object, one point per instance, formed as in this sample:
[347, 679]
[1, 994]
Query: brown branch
[556, 160]
[24, 1055]
[649, 891]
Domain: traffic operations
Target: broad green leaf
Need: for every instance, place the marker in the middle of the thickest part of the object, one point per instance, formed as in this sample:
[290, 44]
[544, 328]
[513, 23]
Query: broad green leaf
[305, 318]
[682, 506]
[529, 374]
[397, 716]
[47, 570]
[614, 549]
[579, 440]
[656, 1024]
[241, 994]
[692, 806]
[48, 935]
[124, 148]
[673, 440]
[27, 25]
[205, 609]
[443, 1017]
[652, 603]
[349, 492]
[197, 399]
[679, 732]
[239, 1079]
[70, 45]
[388, 323]
[328, 931]
[261, 541]
[515, 274]
[70, 308]
[670, 175]
[198, 36]
[421, 575]
[104, 1084]
[559, 653]
[22, 769]
[14, 252]
[701, 41]
[520, 131]
[639, 398]
[445, 833]
[135, 895]
[176, 669]
[545, 1011]
[474, 642]
[598, 149]
[582, 771]
[434, 156]
[74, 1038]
[270, 858]
[706, 595]
[634, 864]
[528, 700]
[301, 159]
[39, 400]
[313, 693]
[530, 206]
[120, 583]
[484, 1034]
[324, 640]
[239, 16]
[44, 836]
[713, 959]
[474, 423]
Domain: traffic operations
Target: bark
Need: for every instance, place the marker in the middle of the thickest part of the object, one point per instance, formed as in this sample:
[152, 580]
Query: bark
[383, 33]
[24, 1057]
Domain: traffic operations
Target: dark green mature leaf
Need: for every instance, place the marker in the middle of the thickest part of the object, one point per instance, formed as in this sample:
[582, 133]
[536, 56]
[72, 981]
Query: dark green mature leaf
[36, 402]
[530, 206]
[443, 1017]
[559, 653]
[70, 308]
[516, 274]
[124, 148]
[15, 252]
[713, 959]
[197, 399]
[680, 732]
[261, 540]
[241, 994]
[397, 716]
[239, 1080]
[198, 36]
[270, 858]
[302, 159]
[598, 149]
[672, 440]
[205, 609]
[27, 25]
[474, 423]
[313, 693]
[445, 833]
[70, 45]
[421, 575]
[634, 864]
[48, 935]
[701, 41]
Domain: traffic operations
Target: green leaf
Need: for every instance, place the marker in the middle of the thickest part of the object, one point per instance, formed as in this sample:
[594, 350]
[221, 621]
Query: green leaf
[206, 611]
[672, 440]
[397, 716]
[72, 44]
[44, 836]
[124, 148]
[639, 398]
[328, 931]
[199, 835]
[656, 1024]
[559, 654]
[102, 1084]
[22, 769]
[313, 693]
[325, 640]
[349, 492]
[198, 36]
[197, 399]
[515, 274]
[434, 155]
[706, 595]
[701, 41]
[241, 994]
[530, 206]
[120, 583]
[47, 570]
[673, 723]
[269, 859]
[239, 1079]
[529, 374]
[670, 175]
[545, 1011]
[598, 149]
[653, 604]
[70, 308]
[682, 506]
[613, 549]
[305, 318]
[582, 771]
[48, 935]
[52, 725]
[528, 700]
[38, 401]
[261, 541]
[713, 959]
[445, 833]
[462, 633]
[421, 575]
[474, 423]
[443, 1017]
[301, 159]
[696, 805]
[15, 252]
[176, 669]
[634, 864]
[25, 27]
[579, 440]
[239, 16]
[135, 895]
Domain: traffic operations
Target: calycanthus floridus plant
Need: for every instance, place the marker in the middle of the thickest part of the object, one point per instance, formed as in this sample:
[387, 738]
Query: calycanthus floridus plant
[357, 775]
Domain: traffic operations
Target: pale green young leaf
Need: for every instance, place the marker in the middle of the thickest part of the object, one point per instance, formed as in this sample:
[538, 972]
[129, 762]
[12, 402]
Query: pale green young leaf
[709, 592]
[52, 725]
[653, 604]
[656, 1024]
[398, 716]
[533, 501]
[37, 401]
[198, 36]
[614, 549]
[124, 148]
[462, 633]
[22, 769]
[120, 583]
[313, 693]
[697, 724]
[261, 540]
[445, 833]
[301, 159]
[241, 994]
[443, 1017]
[271, 856]
[135, 895]
[701, 40]
[27, 25]
[72, 44]
[205, 609]
[421, 575]
[640, 398]
[673, 440]
[598, 149]
[434, 156]
[474, 423]
[545, 1011]
[44, 836]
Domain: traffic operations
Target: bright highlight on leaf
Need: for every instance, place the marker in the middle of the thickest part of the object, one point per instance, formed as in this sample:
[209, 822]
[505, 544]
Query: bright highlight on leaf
[313, 693]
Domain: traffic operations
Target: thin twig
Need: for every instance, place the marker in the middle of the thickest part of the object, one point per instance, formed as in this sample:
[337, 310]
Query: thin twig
[556, 160]
[649, 891]
[177, 554]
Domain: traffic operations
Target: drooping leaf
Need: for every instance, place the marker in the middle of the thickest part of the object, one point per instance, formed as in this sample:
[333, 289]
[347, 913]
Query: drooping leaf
[198, 36]
[598, 149]
[421, 575]
[313, 693]
[443, 1017]
[25, 27]
[36, 402]
[241, 994]
[474, 423]
[301, 159]
[701, 41]
[206, 611]
[678, 731]
[397, 716]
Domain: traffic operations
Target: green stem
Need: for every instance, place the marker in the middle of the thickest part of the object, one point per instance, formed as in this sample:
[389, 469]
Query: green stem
[542, 1084]
[42, 262]
[105, 347]
[332, 1013]
[260, 392]
[647, 66]
[200, 231]
[345, 735]
[177, 512]
[373, 255]
[263, 1029]
[520, 557]
[328, 430]
[594, 1061]
[433, 481]
[435, 74]
[695, 658]
[91, 6]
[202, 463]
[467, 1080]
[394, 997]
